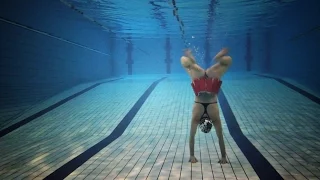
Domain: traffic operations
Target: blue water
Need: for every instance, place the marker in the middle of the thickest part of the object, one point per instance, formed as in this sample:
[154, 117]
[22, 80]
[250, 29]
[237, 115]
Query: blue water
[84, 72]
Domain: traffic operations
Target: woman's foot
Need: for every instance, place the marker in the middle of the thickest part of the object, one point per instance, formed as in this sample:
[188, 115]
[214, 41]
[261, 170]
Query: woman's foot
[223, 52]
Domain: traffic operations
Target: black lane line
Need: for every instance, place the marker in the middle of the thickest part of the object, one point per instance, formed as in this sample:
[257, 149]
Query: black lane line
[295, 88]
[260, 164]
[76, 162]
[19, 124]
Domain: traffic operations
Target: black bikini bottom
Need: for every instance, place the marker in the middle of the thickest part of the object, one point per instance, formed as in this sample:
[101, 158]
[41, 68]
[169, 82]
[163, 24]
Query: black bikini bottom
[205, 105]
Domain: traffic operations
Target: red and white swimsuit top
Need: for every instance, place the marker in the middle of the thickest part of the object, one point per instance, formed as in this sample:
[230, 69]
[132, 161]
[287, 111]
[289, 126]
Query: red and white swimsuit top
[206, 84]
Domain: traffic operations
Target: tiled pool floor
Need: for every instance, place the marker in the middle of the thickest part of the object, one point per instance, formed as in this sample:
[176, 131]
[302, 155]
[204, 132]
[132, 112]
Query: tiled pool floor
[138, 128]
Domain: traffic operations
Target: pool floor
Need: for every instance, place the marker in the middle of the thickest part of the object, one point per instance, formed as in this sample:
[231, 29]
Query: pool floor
[138, 128]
